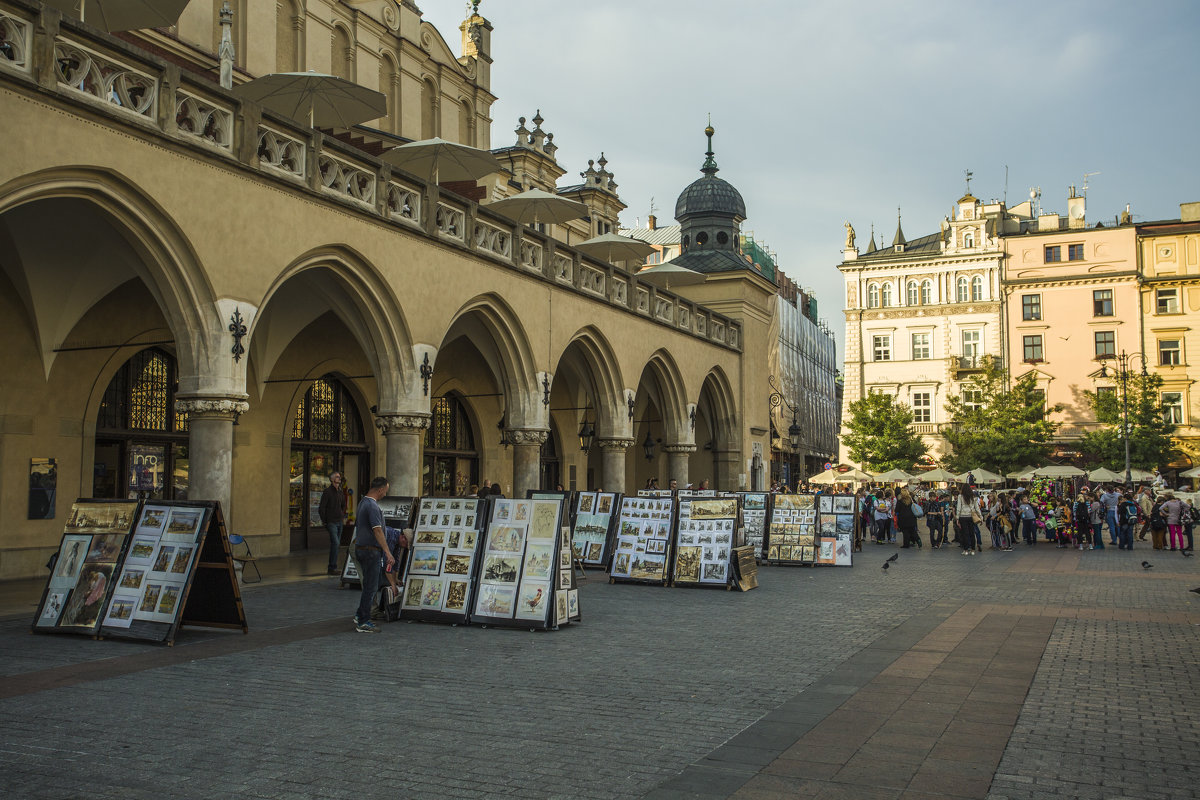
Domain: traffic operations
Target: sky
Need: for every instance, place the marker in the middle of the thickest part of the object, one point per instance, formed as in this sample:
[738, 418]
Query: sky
[832, 112]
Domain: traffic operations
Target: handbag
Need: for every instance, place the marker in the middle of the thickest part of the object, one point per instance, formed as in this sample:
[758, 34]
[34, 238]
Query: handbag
[975, 516]
[918, 510]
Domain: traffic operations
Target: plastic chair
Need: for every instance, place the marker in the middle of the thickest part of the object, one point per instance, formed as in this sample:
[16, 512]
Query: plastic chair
[245, 557]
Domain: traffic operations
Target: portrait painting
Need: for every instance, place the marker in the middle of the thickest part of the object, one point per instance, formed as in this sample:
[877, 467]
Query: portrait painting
[539, 561]
[456, 596]
[426, 560]
[413, 592]
[87, 601]
[533, 600]
[457, 565]
[495, 601]
[71, 553]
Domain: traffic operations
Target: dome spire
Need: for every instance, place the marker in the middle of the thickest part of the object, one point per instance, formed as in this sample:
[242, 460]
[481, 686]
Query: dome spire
[710, 165]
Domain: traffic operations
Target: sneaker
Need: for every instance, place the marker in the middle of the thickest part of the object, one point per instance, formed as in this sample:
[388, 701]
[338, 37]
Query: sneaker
[366, 627]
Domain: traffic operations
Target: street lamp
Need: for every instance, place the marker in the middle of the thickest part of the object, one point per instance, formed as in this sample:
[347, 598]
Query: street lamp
[776, 399]
[586, 434]
[1122, 374]
[648, 446]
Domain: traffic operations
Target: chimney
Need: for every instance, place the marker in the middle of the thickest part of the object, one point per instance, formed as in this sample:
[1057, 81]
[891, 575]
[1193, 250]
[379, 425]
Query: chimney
[1126, 216]
[652, 222]
[1189, 212]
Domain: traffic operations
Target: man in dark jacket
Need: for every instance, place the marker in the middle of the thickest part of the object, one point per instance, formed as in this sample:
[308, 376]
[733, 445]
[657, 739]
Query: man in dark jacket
[333, 514]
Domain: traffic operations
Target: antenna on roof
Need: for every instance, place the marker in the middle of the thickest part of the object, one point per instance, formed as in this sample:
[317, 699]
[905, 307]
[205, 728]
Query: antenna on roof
[969, 175]
[653, 207]
[1087, 175]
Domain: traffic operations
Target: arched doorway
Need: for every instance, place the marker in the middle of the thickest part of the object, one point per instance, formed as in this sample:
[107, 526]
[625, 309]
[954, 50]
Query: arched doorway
[141, 443]
[451, 460]
[327, 437]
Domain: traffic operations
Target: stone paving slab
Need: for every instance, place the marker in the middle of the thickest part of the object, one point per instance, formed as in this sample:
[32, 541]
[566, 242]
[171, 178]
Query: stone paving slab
[657, 685]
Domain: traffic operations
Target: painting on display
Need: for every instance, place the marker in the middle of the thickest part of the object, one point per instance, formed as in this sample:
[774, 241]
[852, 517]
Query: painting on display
[810, 529]
[704, 539]
[441, 558]
[643, 539]
[594, 512]
[754, 518]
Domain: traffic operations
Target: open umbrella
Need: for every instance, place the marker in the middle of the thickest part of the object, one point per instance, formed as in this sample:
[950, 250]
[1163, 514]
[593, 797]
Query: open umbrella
[612, 247]
[666, 275]
[1103, 475]
[1194, 472]
[123, 15]
[441, 160]
[893, 476]
[315, 99]
[1140, 475]
[538, 206]
[831, 476]
[1025, 473]
[1056, 471]
[938, 475]
[982, 476]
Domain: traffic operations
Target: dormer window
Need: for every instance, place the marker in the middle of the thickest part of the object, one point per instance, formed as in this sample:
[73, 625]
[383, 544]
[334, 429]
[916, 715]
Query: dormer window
[968, 239]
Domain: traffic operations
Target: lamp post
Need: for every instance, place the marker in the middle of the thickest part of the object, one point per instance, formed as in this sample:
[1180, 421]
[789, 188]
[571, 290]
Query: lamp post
[776, 399]
[1122, 374]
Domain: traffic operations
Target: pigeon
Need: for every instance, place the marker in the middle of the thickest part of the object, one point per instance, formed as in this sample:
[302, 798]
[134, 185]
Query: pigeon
[1146, 565]
[893, 556]
[1196, 590]
[886, 564]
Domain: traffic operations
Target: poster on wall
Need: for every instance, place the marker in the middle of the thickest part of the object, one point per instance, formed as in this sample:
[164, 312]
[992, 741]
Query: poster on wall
[521, 578]
[591, 538]
[809, 529]
[704, 541]
[442, 559]
[77, 592]
[643, 540]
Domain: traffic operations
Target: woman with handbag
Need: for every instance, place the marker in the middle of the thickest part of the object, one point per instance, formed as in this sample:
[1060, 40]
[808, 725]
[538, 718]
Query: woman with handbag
[968, 514]
[906, 519]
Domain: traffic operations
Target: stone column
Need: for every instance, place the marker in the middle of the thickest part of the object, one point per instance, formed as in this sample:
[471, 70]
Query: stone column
[210, 446]
[612, 463]
[403, 434]
[678, 457]
[527, 458]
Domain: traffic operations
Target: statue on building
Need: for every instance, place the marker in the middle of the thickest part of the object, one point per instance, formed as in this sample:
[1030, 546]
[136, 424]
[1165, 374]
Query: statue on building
[849, 236]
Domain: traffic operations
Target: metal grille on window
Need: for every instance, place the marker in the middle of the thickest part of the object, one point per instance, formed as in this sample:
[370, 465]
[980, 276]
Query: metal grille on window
[322, 412]
[150, 381]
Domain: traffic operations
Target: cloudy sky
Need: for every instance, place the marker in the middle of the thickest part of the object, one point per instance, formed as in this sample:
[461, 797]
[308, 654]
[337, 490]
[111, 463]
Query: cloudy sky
[827, 112]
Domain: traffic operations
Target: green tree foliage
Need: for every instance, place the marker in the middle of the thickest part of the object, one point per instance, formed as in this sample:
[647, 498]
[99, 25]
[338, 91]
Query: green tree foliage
[1149, 432]
[880, 435]
[1003, 427]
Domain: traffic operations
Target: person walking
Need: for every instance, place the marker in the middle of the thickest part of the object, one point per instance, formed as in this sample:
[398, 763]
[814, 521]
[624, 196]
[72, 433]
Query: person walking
[883, 518]
[1172, 511]
[370, 551]
[1145, 502]
[332, 510]
[1188, 519]
[1083, 516]
[1096, 515]
[968, 515]
[906, 519]
[1127, 515]
[935, 519]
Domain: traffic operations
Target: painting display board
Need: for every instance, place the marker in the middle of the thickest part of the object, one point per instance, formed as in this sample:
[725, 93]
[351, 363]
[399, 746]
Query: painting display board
[594, 525]
[397, 513]
[178, 570]
[756, 507]
[811, 529]
[704, 541]
[443, 559]
[77, 593]
[524, 576]
[643, 540]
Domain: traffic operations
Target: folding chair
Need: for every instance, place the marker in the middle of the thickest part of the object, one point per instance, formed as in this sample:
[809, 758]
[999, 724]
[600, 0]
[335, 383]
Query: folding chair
[245, 557]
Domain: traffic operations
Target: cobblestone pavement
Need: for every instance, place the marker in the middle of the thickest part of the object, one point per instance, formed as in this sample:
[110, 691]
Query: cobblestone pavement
[1037, 673]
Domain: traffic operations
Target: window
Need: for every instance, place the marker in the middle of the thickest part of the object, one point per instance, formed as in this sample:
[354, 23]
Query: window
[912, 293]
[1053, 253]
[701, 239]
[881, 346]
[972, 398]
[1106, 344]
[920, 345]
[873, 296]
[722, 237]
[1033, 348]
[1037, 397]
[1168, 352]
[968, 239]
[1172, 407]
[1106, 391]
[926, 292]
[922, 406]
[962, 290]
[885, 295]
[1102, 303]
[976, 289]
[1074, 252]
[1031, 306]
[1166, 301]
[970, 343]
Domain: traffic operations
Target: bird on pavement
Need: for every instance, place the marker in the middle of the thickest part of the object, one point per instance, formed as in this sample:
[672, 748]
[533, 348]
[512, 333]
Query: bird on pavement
[1146, 565]
[886, 565]
[1196, 590]
[893, 556]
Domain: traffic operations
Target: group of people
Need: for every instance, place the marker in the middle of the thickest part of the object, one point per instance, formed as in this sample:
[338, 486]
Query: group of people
[961, 516]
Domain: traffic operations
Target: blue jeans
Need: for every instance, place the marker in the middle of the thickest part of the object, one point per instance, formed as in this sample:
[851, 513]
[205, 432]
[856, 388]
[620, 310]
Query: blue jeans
[1125, 536]
[370, 572]
[1098, 535]
[335, 542]
[1028, 531]
[1111, 517]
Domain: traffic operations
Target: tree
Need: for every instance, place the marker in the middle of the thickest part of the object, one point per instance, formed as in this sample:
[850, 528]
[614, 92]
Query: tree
[1149, 431]
[997, 427]
[880, 434]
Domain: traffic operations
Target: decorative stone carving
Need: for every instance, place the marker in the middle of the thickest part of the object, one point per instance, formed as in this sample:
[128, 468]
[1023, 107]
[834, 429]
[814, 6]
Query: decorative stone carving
[211, 407]
[401, 423]
[519, 436]
[681, 447]
[614, 444]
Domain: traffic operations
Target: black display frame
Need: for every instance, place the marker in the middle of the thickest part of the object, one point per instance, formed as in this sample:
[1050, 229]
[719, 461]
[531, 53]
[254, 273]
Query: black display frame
[417, 614]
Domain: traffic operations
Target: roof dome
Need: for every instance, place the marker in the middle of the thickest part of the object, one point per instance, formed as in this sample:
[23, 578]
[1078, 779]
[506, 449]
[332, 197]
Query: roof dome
[710, 194]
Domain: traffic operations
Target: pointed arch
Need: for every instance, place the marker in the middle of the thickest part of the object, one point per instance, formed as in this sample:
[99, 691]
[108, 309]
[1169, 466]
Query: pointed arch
[598, 365]
[490, 324]
[666, 382]
[718, 401]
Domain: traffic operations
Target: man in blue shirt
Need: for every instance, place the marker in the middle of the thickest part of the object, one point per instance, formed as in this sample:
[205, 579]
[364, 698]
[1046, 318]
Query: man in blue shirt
[370, 551]
[1110, 500]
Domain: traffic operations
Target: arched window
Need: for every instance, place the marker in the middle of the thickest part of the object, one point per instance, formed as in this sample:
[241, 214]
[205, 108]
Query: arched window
[873, 296]
[327, 437]
[968, 239]
[912, 293]
[701, 239]
[885, 295]
[962, 290]
[977, 288]
[429, 110]
[466, 124]
[342, 61]
[141, 443]
[926, 292]
[389, 84]
[451, 460]
[288, 25]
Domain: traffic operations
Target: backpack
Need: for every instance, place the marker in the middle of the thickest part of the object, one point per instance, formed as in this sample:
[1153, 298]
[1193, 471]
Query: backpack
[1127, 512]
[1157, 521]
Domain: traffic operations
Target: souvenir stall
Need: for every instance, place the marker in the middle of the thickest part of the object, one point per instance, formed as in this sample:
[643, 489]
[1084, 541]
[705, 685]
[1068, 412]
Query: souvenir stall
[643, 541]
[443, 558]
[811, 529]
[594, 527]
[397, 513]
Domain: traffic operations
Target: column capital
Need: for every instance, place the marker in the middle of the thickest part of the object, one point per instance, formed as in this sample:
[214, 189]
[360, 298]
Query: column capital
[679, 448]
[212, 406]
[614, 444]
[401, 423]
[527, 436]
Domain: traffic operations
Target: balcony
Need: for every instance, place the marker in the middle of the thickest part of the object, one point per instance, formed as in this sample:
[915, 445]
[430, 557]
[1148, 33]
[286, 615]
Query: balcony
[963, 365]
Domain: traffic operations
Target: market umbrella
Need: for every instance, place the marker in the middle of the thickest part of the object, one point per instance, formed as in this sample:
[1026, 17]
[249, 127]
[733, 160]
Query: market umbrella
[665, 275]
[1055, 471]
[1103, 475]
[830, 476]
[893, 476]
[439, 160]
[123, 15]
[982, 476]
[315, 99]
[1023, 471]
[938, 475]
[613, 247]
[1140, 475]
[538, 206]
[1194, 472]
